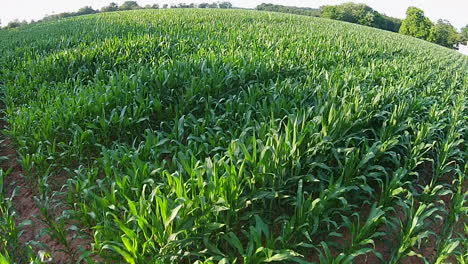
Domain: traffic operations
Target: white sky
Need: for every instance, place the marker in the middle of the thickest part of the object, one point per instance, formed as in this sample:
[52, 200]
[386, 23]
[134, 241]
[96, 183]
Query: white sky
[456, 11]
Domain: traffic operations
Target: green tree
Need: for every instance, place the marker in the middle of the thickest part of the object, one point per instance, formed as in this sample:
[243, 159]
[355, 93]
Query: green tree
[154, 6]
[333, 12]
[444, 34]
[351, 12]
[16, 23]
[390, 23]
[306, 11]
[110, 8]
[85, 11]
[464, 34]
[129, 5]
[225, 5]
[360, 14]
[416, 24]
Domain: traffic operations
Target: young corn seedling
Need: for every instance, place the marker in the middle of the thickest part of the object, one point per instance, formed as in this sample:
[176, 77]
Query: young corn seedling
[413, 229]
[363, 235]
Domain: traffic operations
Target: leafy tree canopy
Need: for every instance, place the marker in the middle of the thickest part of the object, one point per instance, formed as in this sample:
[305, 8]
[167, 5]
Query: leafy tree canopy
[416, 24]
[110, 8]
[86, 11]
[225, 5]
[129, 5]
[444, 34]
[464, 34]
[361, 14]
[290, 9]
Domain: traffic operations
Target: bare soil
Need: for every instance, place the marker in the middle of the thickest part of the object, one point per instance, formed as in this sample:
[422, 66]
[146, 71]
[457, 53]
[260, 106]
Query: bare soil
[25, 206]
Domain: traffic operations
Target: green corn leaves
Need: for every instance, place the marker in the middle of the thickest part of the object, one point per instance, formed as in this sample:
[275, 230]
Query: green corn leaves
[235, 136]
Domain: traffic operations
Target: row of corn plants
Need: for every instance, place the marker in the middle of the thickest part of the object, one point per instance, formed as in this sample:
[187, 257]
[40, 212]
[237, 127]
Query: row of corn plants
[11, 250]
[233, 136]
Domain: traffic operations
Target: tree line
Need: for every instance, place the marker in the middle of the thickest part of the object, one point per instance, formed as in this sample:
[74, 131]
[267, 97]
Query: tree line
[112, 7]
[349, 12]
[415, 24]
[306, 11]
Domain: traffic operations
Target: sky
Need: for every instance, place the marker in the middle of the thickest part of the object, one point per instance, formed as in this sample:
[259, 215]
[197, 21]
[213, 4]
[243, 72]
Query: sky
[456, 11]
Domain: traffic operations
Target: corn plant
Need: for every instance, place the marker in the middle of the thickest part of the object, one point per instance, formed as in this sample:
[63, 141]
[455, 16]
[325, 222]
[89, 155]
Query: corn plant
[235, 136]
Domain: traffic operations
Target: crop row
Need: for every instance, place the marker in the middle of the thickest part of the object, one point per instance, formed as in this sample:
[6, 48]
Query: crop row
[217, 136]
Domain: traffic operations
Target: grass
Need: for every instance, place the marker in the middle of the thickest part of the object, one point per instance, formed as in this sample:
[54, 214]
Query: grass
[232, 136]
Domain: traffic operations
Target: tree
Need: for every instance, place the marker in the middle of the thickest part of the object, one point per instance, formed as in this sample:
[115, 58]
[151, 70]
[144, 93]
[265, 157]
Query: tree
[213, 5]
[389, 23]
[444, 34]
[350, 12]
[184, 5]
[129, 5]
[416, 24]
[464, 34]
[360, 14]
[110, 8]
[203, 5]
[16, 23]
[85, 11]
[225, 5]
[306, 11]
[338, 13]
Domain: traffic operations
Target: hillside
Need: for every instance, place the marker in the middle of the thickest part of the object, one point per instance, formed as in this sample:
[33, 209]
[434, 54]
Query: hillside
[230, 136]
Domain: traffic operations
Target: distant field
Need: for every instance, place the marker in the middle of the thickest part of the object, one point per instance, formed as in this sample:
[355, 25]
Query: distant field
[232, 136]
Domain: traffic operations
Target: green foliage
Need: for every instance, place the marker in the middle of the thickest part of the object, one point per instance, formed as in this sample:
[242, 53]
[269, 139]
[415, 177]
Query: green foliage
[213, 5]
[464, 34]
[15, 23]
[388, 23]
[110, 8]
[444, 34]
[129, 5]
[350, 12]
[306, 11]
[11, 250]
[360, 14]
[416, 24]
[153, 6]
[224, 5]
[237, 136]
[86, 11]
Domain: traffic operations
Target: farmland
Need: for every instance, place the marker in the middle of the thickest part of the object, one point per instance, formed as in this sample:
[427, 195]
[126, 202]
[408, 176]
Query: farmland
[232, 136]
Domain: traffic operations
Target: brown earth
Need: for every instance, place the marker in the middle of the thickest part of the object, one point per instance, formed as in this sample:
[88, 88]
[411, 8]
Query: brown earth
[26, 208]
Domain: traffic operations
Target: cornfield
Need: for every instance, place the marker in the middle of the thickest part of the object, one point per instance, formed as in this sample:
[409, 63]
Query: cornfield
[235, 136]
